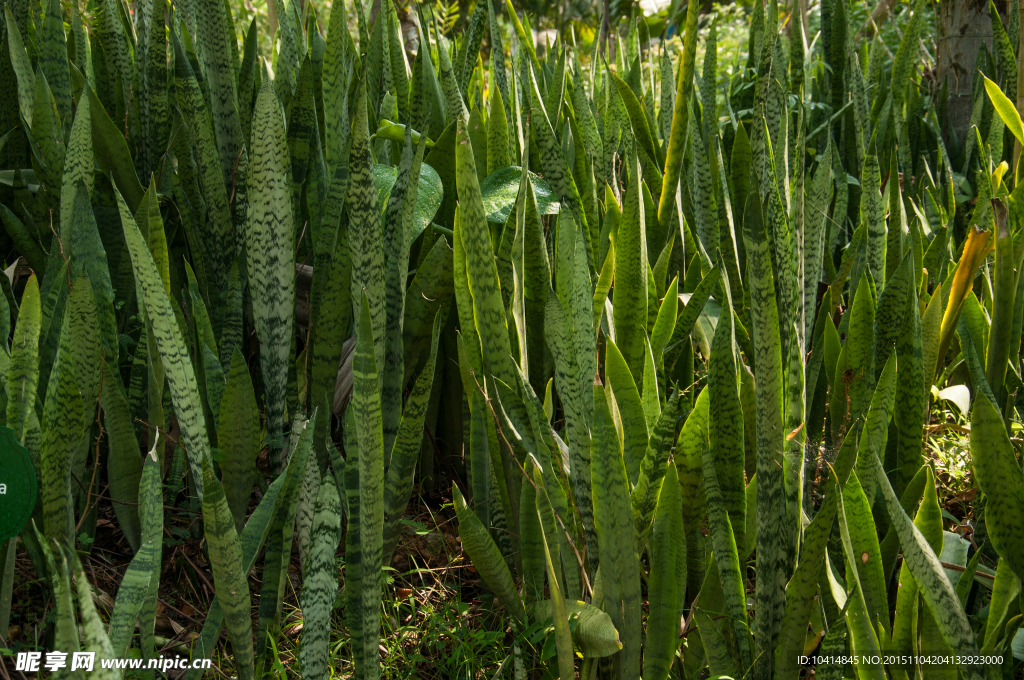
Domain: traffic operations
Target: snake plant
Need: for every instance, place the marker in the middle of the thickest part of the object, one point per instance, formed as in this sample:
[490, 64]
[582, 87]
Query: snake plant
[671, 329]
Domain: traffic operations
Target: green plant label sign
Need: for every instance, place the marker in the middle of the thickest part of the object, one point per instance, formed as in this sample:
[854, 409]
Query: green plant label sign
[17, 485]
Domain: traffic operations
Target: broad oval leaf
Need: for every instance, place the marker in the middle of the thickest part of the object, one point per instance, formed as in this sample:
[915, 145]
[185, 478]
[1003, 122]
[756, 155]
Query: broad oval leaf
[428, 197]
[500, 189]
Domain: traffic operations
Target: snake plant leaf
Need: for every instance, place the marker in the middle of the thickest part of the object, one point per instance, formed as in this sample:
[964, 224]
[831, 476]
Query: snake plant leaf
[487, 559]
[226, 562]
[694, 306]
[530, 541]
[560, 616]
[708, 83]
[23, 240]
[270, 245]
[63, 424]
[308, 171]
[238, 438]
[403, 456]
[1004, 285]
[689, 462]
[771, 520]
[270, 507]
[863, 634]
[925, 567]
[181, 376]
[1005, 108]
[482, 273]
[207, 362]
[276, 526]
[456, 106]
[65, 628]
[705, 208]
[78, 163]
[665, 589]
[151, 65]
[906, 55]
[218, 234]
[616, 536]
[23, 375]
[111, 152]
[500, 189]
[219, 53]
[630, 409]
[929, 520]
[320, 580]
[891, 310]
[726, 428]
[430, 292]
[364, 232]
[124, 467]
[637, 118]
[975, 250]
[851, 387]
[470, 46]
[1005, 589]
[399, 70]
[587, 123]
[570, 385]
[85, 353]
[366, 414]
[999, 476]
[397, 223]
[52, 52]
[289, 57]
[145, 566]
[94, 635]
[864, 541]
[334, 320]
[876, 423]
[647, 490]
[338, 56]
[631, 264]
[911, 390]
[680, 119]
[723, 540]
[480, 459]
[86, 247]
[818, 199]
[802, 588]
[48, 136]
[872, 209]
[664, 326]
[556, 170]
[22, 66]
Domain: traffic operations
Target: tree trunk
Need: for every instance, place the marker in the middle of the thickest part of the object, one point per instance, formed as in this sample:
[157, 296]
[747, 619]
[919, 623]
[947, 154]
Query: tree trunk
[964, 26]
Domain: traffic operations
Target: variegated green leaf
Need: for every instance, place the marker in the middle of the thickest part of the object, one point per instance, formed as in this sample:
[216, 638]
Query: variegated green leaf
[320, 581]
[616, 536]
[238, 438]
[181, 376]
[23, 375]
[145, 566]
[229, 577]
[270, 245]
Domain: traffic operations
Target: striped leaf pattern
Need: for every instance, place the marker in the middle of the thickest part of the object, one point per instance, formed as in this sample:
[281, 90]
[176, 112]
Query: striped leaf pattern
[145, 566]
[708, 300]
[226, 563]
[270, 247]
[320, 580]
